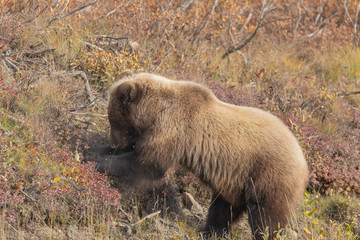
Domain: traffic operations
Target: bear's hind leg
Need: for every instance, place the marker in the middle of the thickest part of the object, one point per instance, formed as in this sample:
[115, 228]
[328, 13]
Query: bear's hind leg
[220, 217]
[262, 215]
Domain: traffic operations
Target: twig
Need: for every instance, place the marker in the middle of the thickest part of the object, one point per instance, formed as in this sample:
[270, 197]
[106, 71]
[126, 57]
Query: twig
[73, 184]
[321, 9]
[309, 137]
[93, 46]
[83, 106]
[27, 195]
[353, 22]
[40, 52]
[233, 43]
[66, 5]
[266, 9]
[36, 63]
[168, 224]
[4, 39]
[207, 17]
[91, 114]
[70, 13]
[118, 38]
[146, 218]
[126, 215]
[85, 122]
[299, 16]
[112, 38]
[13, 228]
[32, 19]
[11, 117]
[12, 64]
[112, 11]
[311, 37]
[6, 67]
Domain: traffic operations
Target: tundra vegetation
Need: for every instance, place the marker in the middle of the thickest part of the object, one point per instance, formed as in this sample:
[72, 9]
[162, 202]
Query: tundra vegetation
[299, 60]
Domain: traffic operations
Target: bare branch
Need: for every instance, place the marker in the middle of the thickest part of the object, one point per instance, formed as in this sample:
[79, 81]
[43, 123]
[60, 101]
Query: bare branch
[299, 15]
[66, 5]
[356, 17]
[206, 19]
[233, 43]
[266, 8]
[321, 9]
[310, 36]
[346, 6]
[246, 22]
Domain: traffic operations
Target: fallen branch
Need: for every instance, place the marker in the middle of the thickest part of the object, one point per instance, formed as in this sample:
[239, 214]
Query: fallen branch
[72, 184]
[126, 215]
[347, 93]
[83, 106]
[36, 63]
[130, 227]
[86, 83]
[40, 52]
[12, 64]
[146, 218]
[84, 122]
[6, 67]
[91, 114]
[93, 46]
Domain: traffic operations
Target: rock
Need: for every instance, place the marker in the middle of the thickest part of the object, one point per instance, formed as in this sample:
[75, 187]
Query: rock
[191, 204]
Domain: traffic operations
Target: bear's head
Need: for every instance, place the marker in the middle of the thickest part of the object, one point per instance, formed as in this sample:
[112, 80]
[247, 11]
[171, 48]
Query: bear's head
[142, 102]
[136, 101]
[123, 94]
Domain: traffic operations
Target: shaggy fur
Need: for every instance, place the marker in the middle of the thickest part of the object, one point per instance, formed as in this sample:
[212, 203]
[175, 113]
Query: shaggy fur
[248, 157]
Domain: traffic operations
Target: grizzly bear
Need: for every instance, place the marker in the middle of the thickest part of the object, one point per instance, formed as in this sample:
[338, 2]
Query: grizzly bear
[248, 157]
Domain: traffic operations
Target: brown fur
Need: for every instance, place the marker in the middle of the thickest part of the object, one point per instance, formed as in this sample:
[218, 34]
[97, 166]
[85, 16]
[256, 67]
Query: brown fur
[248, 157]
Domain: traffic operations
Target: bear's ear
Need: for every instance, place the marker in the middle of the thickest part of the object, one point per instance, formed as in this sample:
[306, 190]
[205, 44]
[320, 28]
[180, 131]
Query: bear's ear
[128, 92]
[125, 73]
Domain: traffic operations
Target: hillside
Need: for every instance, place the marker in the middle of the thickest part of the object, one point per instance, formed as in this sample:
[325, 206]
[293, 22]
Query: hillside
[299, 60]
